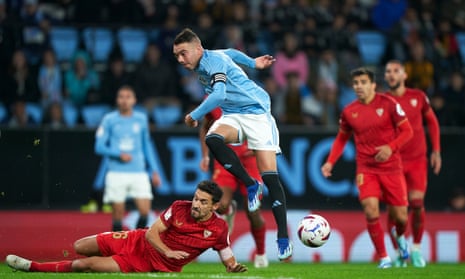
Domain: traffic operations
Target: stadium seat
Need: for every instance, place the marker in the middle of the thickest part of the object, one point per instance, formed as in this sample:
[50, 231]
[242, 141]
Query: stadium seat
[461, 42]
[35, 112]
[3, 113]
[371, 46]
[64, 41]
[165, 116]
[133, 43]
[98, 42]
[93, 114]
[70, 114]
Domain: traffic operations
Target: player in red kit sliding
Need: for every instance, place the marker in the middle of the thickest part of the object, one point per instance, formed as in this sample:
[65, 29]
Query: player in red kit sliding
[416, 105]
[183, 231]
[229, 184]
[380, 129]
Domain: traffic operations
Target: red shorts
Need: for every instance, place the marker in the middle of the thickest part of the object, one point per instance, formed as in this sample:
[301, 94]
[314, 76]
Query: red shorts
[129, 250]
[389, 188]
[416, 174]
[225, 179]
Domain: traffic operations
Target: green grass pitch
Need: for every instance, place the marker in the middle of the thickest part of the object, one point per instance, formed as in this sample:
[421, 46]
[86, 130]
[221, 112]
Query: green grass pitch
[275, 270]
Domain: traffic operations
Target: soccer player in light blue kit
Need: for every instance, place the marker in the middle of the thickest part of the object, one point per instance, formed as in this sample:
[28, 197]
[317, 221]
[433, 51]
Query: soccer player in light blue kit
[123, 136]
[246, 115]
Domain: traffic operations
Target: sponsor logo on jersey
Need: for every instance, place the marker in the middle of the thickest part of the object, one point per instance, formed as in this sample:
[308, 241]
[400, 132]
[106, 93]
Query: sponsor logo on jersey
[177, 223]
[354, 114]
[206, 233]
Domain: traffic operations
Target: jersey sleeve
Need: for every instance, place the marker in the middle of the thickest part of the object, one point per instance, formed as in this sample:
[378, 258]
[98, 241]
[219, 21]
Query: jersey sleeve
[240, 58]
[166, 216]
[223, 239]
[102, 137]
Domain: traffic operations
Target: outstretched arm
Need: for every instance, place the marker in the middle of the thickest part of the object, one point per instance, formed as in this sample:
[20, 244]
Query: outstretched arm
[336, 151]
[230, 262]
[261, 62]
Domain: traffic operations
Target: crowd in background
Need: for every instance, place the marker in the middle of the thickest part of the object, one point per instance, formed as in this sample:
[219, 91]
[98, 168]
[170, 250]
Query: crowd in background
[313, 41]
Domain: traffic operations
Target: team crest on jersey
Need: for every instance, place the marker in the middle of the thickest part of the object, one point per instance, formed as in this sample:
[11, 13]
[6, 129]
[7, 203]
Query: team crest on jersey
[414, 102]
[354, 114]
[206, 233]
[136, 127]
[379, 111]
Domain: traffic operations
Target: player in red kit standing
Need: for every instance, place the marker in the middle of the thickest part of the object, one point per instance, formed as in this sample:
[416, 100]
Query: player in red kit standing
[416, 105]
[183, 231]
[229, 184]
[380, 129]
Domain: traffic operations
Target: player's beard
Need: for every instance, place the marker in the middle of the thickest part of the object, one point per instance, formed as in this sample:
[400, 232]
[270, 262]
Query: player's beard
[395, 86]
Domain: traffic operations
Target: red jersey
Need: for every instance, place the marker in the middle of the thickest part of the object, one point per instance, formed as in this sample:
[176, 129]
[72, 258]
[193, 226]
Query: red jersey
[415, 103]
[186, 234]
[373, 125]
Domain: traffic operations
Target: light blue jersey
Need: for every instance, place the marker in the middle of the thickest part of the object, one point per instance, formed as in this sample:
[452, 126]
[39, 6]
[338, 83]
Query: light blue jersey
[228, 86]
[119, 134]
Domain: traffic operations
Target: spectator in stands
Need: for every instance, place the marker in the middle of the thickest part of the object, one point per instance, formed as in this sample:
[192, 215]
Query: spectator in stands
[457, 200]
[20, 81]
[114, 77]
[81, 81]
[19, 116]
[446, 47]
[290, 59]
[11, 36]
[35, 31]
[50, 79]
[156, 80]
[206, 31]
[420, 70]
[294, 94]
[454, 98]
[53, 117]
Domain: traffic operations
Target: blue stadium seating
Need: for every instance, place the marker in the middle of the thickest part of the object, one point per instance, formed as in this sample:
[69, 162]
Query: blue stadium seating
[64, 41]
[35, 112]
[93, 114]
[167, 115]
[70, 114]
[371, 46]
[99, 42]
[3, 113]
[133, 43]
[461, 41]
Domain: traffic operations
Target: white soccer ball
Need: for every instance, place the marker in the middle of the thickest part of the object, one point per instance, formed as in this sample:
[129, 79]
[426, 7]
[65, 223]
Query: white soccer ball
[313, 230]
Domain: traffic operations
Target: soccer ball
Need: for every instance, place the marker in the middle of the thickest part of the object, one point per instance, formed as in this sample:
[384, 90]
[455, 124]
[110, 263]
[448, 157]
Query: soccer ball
[313, 230]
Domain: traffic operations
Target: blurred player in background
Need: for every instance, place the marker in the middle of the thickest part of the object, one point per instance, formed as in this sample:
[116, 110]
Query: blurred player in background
[246, 115]
[170, 243]
[124, 137]
[416, 105]
[380, 129]
[229, 184]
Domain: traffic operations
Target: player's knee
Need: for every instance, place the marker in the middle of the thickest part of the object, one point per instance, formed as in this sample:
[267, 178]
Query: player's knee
[213, 141]
[416, 204]
[78, 246]
[80, 265]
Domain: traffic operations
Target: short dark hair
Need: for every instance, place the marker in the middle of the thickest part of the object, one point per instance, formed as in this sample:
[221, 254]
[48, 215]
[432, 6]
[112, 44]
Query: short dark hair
[363, 71]
[186, 36]
[212, 188]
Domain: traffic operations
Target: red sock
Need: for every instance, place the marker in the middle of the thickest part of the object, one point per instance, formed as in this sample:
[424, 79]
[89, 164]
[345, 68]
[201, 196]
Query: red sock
[64, 266]
[377, 236]
[259, 237]
[417, 217]
[391, 224]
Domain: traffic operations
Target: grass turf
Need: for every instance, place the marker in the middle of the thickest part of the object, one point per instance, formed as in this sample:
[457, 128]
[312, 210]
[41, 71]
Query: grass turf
[275, 270]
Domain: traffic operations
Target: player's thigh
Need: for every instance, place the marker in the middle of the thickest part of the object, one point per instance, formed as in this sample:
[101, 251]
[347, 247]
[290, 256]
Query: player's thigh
[416, 177]
[261, 132]
[227, 127]
[394, 189]
[368, 185]
[87, 246]
[111, 243]
[140, 187]
[96, 264]
[116, 185]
